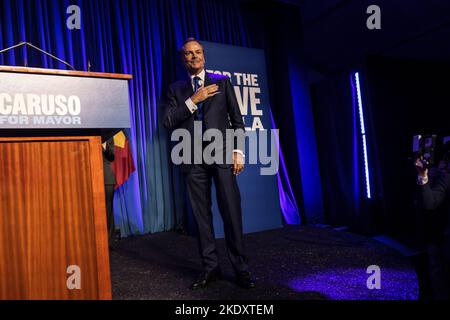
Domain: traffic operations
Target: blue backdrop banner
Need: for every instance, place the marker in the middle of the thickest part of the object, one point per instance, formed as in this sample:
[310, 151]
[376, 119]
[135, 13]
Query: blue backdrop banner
[258, 183]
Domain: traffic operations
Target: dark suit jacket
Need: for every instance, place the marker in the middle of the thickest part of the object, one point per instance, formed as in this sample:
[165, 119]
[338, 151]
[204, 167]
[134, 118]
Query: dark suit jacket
[220, 111]
[435, 198]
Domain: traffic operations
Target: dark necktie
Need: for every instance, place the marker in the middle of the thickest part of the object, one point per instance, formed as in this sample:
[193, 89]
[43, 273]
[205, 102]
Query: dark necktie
[199, 105]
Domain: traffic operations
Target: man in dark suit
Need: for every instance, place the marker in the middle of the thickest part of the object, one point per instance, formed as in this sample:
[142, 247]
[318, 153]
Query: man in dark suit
[209, 99]
[434, 198]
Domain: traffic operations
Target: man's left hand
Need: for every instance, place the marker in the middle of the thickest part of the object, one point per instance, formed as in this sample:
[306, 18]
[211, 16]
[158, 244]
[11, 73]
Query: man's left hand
[238, 163]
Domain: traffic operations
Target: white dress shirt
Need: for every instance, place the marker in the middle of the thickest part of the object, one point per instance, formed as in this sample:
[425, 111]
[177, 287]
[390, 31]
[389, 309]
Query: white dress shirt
[193, 107]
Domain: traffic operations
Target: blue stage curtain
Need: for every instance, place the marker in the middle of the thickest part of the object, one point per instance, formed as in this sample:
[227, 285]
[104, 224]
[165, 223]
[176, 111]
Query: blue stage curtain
[135, 37]
[340, 150]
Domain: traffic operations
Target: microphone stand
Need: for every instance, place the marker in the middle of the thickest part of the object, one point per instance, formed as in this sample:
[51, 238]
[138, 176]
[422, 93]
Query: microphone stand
[21, 44]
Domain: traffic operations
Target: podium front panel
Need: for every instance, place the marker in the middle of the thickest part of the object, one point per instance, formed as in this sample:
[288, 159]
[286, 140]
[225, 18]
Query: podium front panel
[53, 241]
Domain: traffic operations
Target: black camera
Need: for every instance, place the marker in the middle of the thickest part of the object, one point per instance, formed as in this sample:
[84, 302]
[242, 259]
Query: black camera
[424, 148]
[427, 148]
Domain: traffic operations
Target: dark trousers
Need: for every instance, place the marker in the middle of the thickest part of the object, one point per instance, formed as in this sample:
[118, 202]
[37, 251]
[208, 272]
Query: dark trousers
[109, 195]
[439, 272]
[198, 185]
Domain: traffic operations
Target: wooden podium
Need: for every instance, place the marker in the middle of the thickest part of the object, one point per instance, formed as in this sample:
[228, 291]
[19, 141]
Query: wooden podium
[53, 233]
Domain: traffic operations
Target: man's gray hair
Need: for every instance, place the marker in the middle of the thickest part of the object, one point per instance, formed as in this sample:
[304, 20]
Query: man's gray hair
[190, 40]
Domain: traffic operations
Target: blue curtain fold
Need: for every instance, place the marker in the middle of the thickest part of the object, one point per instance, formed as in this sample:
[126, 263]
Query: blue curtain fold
[340, 150]
[135, 37]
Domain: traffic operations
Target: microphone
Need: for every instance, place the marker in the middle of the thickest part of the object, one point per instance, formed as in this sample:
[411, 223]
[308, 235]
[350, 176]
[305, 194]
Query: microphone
[21, 44]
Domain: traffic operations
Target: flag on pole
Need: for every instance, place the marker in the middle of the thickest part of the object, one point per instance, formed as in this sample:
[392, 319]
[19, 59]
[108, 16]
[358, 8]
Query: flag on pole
[123, 164]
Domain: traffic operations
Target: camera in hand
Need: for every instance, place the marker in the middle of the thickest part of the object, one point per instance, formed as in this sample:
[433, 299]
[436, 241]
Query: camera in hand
[430, 150]
[424, 148]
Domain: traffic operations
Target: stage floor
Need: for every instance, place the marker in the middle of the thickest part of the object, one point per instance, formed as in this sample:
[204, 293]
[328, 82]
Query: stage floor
[300, 263]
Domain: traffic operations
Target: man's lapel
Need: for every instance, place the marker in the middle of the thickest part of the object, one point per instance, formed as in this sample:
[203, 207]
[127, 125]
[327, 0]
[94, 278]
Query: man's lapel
[206, 104]
[187, 89]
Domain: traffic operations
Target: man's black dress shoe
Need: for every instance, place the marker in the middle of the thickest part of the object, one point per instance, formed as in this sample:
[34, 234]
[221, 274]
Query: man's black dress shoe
[206, 278]
[245, 280]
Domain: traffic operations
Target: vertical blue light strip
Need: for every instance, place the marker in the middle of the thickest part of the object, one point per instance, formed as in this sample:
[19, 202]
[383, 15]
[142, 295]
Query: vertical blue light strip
[363, 134]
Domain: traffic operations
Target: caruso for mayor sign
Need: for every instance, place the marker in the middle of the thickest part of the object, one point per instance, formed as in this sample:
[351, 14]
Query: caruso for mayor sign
[62, 102]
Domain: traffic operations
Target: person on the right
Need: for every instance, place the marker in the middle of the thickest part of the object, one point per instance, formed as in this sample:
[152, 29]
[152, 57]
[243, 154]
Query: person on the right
[434, 198]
